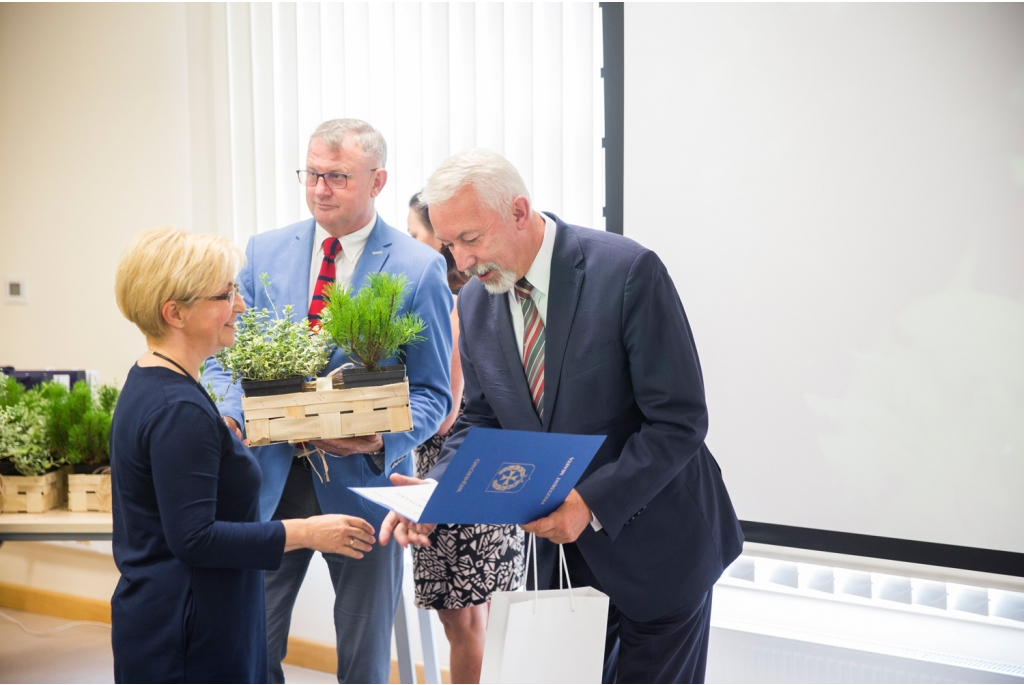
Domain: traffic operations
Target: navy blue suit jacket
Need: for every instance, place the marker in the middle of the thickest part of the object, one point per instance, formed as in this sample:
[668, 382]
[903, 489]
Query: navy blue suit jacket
[619, 361]
[285, 255]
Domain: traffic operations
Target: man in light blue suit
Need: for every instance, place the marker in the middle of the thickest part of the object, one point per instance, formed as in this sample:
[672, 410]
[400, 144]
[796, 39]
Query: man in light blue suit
[343, 176]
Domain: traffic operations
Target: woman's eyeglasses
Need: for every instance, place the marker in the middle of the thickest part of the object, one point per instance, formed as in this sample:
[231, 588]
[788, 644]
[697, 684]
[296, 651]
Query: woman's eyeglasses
[229, 296]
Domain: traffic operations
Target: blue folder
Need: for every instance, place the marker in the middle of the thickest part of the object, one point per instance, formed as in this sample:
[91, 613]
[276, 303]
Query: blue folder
[506, 476]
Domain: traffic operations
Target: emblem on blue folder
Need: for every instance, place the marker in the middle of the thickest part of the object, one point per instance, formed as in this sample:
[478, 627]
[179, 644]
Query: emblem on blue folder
[510, 477]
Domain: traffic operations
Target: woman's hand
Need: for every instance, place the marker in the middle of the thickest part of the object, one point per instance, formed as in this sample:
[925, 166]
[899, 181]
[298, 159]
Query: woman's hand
[332, 533]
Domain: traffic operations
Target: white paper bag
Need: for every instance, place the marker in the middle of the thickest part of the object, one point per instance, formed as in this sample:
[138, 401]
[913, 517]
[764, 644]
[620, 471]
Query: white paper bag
[551, 636]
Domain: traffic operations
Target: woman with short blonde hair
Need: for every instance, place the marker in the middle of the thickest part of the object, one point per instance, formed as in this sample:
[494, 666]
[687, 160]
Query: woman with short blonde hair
[188, 539]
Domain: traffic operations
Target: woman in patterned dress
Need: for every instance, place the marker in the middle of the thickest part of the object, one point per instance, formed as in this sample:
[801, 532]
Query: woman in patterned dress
[465, 563]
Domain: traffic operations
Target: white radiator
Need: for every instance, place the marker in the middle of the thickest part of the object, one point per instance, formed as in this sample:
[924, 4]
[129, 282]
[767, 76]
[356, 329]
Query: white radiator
[745, 657]
[782, 622]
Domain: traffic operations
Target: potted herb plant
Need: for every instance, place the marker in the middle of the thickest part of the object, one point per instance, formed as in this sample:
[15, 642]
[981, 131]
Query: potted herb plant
[32, 478]
[11, 392]
[367, 326]
[273, 354]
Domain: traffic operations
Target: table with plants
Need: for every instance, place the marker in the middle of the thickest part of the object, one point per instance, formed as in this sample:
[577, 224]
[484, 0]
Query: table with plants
[54, 441]
[54, 459]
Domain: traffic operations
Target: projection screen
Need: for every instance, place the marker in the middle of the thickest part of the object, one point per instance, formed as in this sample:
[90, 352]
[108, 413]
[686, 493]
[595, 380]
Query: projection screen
[838, 192]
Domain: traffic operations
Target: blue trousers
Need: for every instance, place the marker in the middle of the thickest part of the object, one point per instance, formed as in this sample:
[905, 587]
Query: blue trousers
[366, 595]
[670, 649]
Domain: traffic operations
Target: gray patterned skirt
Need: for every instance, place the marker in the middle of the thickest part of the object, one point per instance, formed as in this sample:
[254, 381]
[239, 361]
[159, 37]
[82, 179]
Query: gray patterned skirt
[465, 564]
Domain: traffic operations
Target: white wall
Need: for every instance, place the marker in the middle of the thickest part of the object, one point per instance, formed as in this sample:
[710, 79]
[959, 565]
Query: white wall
[96, 144]
[110, 122]
[838, 192]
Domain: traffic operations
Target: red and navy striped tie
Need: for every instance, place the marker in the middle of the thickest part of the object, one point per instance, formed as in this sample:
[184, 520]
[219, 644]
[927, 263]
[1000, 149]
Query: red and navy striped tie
[533, 344]
[327, 271]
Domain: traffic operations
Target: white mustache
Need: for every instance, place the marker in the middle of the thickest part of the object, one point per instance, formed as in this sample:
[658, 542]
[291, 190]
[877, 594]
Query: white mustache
[481, 269]
[506, 279]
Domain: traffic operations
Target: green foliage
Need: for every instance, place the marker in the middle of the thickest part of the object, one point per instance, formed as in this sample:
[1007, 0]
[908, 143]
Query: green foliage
[50, 426]
[89, 439]
[65, 410]
[367, 326]
[272, 347]
[11, 391]
[78, 423]
[23, 433]
[107, 398]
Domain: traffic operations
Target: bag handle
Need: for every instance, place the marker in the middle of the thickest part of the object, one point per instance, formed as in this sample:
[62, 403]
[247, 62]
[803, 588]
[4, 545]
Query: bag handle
[563, 569]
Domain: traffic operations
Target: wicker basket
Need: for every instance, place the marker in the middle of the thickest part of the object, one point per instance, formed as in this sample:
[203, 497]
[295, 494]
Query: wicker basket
[89, 492]
[324, 413]
[33, 494]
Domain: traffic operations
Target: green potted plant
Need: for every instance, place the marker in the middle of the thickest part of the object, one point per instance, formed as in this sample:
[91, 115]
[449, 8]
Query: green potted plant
[83, 426]
[11, 392]
[273, 355]
[78, 434]
[24, 442]
[87, 451]
[32, 478]
[368, 328]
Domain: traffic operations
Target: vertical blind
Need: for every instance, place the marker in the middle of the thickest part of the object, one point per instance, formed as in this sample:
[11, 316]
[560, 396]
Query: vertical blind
[521, 79]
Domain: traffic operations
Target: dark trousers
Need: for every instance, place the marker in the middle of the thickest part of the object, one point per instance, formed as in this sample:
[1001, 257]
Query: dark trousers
[670, 649]
[366, 595]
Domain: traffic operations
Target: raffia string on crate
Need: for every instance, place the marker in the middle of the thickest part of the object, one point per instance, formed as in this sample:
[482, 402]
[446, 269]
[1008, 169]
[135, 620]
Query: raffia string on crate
[323, 459]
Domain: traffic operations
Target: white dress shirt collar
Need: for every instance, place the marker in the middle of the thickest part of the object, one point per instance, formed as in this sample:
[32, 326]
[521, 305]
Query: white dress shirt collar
[539, 277]
[352, 246]
[539, 274]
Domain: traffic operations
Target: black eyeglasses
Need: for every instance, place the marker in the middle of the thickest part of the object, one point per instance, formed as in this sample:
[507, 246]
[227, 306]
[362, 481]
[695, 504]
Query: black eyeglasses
[229, 296]
[332, 179]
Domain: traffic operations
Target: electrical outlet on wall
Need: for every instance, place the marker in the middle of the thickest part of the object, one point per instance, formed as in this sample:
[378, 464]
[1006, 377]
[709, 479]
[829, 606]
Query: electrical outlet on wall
[15, 289]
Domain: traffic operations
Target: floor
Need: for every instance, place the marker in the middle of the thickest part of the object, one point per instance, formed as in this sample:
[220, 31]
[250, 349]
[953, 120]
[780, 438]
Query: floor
[80, 654]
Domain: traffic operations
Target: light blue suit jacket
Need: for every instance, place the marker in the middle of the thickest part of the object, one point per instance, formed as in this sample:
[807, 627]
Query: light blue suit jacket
[285, 255]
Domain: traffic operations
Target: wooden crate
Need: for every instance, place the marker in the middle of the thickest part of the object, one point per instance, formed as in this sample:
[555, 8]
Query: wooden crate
[89, 492]
[324, 413]
[34, 494]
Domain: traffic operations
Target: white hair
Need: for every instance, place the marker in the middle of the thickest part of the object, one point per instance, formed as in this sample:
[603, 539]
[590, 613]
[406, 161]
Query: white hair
[334, 131]
[495, 180]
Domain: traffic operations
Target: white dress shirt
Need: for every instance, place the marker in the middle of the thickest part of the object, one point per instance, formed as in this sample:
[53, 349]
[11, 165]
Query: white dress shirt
[539, 277]
[345, 261]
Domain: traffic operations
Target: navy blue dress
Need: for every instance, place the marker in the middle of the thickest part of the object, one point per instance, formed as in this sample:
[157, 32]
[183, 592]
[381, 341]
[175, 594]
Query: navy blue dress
[188, 540]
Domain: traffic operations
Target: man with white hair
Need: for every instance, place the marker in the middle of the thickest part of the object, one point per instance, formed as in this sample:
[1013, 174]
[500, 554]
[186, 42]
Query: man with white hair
[571, 330]
[342, 243]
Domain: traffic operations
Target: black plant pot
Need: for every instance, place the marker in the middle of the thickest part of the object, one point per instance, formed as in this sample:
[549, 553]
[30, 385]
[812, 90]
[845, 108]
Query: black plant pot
[7, 469]
[88, 469]
[278, 386]
[382, 375]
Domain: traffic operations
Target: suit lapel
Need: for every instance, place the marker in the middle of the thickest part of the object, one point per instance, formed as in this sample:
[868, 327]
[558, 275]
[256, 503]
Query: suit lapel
[506, 335]
[375, 255]
[566, 282]
[299, 261]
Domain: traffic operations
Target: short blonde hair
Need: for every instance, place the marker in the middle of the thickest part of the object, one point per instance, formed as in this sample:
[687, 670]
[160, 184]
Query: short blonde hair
[168, 264]
[497, 183]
